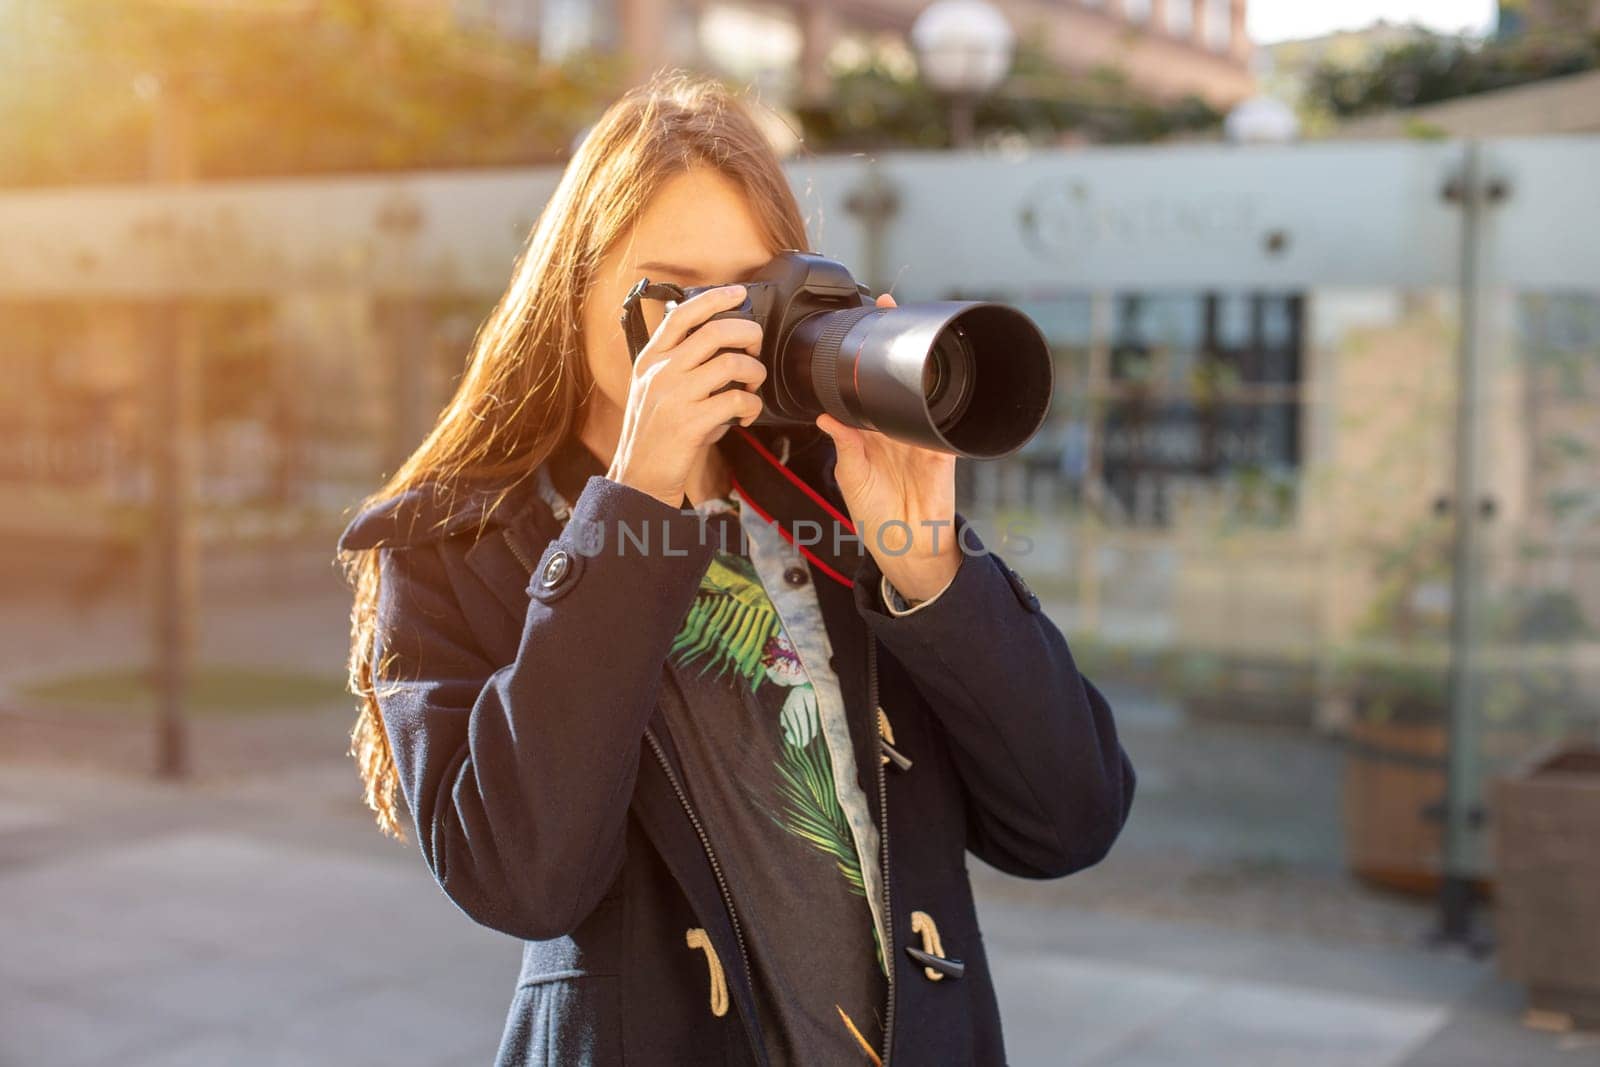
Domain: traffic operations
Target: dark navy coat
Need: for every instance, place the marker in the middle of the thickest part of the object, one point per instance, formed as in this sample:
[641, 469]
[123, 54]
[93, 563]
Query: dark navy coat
[519, 699]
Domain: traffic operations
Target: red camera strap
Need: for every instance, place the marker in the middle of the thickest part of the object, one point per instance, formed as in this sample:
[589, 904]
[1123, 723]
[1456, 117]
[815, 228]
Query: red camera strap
[826, 536]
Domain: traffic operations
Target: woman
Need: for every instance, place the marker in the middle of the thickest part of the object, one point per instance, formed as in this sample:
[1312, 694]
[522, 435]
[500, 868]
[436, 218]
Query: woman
[719, 780]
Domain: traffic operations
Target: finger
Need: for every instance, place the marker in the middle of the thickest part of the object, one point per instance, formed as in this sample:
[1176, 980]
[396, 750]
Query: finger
[834, 428]
[886, 301]
[846, 439]
[693, 312]
[718, 371]
[702, 345]
[735, 405]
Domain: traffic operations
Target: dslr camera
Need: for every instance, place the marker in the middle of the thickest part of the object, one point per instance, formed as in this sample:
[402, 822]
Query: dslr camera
[964, 376]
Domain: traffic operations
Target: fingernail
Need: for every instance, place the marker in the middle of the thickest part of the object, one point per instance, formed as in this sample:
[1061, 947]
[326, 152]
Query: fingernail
[734, 290]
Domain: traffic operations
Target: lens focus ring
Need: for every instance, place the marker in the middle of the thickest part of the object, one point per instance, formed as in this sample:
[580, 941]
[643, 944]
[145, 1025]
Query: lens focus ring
[825, 360]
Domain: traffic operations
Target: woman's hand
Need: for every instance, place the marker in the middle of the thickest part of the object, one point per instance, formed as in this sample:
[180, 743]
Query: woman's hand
[674, 411]
[885, 481]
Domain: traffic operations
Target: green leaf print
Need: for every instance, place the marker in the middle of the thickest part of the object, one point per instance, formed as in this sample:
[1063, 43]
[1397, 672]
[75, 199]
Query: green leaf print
[729, 623]
[812, 811]
[812, 808]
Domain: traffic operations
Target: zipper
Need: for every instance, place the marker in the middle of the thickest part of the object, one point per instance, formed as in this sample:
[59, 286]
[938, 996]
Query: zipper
[716, 868]
[516, 550]
[683, 798]
[891, 958]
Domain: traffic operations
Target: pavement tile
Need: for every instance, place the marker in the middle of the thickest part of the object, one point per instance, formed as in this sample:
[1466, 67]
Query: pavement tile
[1249, 1025]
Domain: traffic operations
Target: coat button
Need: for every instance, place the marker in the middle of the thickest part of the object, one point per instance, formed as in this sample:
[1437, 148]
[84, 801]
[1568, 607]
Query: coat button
[1029, 600]
[556, 568]
[796, 576]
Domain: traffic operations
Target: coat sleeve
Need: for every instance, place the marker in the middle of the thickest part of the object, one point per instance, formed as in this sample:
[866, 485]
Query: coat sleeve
[1047, 782]
[519, 775]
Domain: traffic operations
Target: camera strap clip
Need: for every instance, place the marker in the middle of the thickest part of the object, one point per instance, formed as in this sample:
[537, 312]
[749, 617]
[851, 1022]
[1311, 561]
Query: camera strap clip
[633, 324]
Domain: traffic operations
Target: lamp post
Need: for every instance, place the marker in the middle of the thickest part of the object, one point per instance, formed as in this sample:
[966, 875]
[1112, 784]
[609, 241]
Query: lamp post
[964, 50]
[173, 549]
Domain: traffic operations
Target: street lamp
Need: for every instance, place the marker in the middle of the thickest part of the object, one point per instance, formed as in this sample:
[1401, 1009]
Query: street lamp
[964, 50]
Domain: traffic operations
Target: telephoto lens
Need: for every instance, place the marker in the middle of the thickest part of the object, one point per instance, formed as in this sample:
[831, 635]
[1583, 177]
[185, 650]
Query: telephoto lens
[968, 377]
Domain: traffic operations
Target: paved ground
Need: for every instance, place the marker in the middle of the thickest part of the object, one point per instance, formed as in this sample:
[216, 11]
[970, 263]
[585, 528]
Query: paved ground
[252, 917]
[260, 922]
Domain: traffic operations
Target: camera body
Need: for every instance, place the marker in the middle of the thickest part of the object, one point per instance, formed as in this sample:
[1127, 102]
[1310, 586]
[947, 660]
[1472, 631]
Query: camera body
[791, 288]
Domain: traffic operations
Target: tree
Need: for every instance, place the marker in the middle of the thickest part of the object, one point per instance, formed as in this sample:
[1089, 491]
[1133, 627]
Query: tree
[1438, 68]
[884, 104]
[272, 88]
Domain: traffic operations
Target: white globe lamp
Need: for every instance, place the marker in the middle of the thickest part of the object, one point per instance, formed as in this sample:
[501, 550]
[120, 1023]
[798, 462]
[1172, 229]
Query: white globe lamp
[964, 50]
[1261, 120]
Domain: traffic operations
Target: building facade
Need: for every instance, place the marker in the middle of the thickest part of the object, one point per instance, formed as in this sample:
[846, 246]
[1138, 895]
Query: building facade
[1167, 48]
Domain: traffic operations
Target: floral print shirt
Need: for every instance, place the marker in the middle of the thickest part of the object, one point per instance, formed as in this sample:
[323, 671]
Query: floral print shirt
[756, 714]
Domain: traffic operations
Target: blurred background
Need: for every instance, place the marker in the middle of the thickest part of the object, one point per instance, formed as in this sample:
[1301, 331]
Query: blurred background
[1317, 504]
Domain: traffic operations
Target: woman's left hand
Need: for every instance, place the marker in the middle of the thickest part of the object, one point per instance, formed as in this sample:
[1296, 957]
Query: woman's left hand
[886, 482]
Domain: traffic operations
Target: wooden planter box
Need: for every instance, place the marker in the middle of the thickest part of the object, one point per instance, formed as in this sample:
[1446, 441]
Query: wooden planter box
[1394, 773]
[1394, 795]
[1546, 840]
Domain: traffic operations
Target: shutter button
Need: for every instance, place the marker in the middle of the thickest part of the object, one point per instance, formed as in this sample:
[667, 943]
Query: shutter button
[555, 569]
[795, 576]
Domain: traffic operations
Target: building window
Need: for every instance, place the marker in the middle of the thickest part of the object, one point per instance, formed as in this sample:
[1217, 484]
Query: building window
[1219, 25]
[1180, 18]
[1203, 390]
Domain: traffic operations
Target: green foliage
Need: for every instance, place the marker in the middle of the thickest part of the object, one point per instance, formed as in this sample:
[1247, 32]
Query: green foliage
[1529, 670]
[1438, 68]
[1258, 496]
[872, 107]
[1543, 616]
[275, 88]
[1418, 130]
[215, 689]
[876, 106]
[1417, 558]
[1394, 683]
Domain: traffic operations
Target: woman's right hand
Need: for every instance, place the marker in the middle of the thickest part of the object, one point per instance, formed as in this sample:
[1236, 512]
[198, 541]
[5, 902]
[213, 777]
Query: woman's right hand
[674, 411]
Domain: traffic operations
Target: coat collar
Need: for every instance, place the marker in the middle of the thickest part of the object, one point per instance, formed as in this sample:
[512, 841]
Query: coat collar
[571, 466]
[433, 510]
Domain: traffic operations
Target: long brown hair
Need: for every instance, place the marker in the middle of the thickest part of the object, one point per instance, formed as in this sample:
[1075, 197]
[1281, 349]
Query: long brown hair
[526, 381]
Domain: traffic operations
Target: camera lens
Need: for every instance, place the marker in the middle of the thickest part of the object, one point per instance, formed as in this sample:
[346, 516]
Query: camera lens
[969, 377]
[933, 379]
[947, 377]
